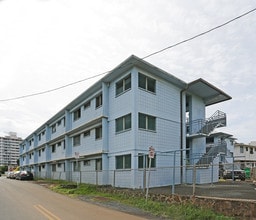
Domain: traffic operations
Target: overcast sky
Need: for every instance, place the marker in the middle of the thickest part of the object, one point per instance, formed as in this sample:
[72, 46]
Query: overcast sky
[45, 44]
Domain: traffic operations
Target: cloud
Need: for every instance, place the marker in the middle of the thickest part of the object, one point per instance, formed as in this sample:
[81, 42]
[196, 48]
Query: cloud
[47, 44]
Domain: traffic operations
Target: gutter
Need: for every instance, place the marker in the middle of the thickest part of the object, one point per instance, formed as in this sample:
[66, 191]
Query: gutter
[181, 132]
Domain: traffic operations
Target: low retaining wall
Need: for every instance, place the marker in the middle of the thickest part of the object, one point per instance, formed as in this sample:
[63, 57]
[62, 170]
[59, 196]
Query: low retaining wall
[239, 208]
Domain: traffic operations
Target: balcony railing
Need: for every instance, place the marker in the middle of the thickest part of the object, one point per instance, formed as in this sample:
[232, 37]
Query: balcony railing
[206, 126]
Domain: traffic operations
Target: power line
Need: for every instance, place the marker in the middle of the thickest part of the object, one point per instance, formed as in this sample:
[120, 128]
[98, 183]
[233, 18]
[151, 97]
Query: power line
[55, 89]
[152, 54]
[199, 35]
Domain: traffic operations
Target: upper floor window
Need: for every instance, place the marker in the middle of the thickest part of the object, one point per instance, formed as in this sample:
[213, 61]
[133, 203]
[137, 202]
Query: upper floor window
[53, 148]
[147, 83]
[98, 132]
[76, 140]
[123, 85]
[123, 162]
[54, 128]
[77, 114]
[99, 101]
[59, 123]
[241, 149]
[87, 104]
[87, 133]
[31, 142]
[123, 123]
[147, 122]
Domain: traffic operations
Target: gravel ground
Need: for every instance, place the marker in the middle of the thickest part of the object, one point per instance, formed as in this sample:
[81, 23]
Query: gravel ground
[223, 189]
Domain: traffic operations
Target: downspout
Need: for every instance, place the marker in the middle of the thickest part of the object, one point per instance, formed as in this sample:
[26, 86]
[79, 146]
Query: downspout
[181, 132]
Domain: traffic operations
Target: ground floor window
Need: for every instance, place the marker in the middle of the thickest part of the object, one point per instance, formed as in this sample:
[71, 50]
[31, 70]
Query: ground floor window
[98, 164]
[123, 162]
[143, 161]
[53, 167]
[76, 166]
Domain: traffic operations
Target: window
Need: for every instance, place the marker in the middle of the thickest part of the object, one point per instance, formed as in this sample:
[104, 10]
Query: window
[147, 122]
[87, 133]
[39, 153]
[241, 149]
[87, 162]
[98, 164]
[76, 166]
[59, 144]
[31, 142]
[98, 133]
[87, 105]
[246, 148]
[76, 140]
[59, 123]
[251, 150]
[98, 101]
[147, 83]
[53, 148]
[59, 165]
[54, 128]
[123, 85]
[123, 123]
[53, 167]
[143, 161]
[77, 114]
[123, 162]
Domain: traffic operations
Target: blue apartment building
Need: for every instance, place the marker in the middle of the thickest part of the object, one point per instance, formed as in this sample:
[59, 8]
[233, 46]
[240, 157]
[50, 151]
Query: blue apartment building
[103, 136]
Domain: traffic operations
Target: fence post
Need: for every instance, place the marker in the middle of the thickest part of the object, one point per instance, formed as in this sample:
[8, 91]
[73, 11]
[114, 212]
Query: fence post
[148, 178]
[97, 177]
[114, 179]
[144, 179]
[194, 179]
[173, 174]
[212, 173]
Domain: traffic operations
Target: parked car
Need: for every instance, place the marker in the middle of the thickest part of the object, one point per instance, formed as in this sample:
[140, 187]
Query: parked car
[228, 169]
[14, 174]
[24, 175]
[8, 174]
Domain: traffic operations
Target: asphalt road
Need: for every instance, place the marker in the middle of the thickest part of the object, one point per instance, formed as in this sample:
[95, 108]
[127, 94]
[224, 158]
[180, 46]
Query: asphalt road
[25, 200]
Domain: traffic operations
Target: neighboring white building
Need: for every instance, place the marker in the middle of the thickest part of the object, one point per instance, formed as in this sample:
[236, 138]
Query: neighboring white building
[103, 136]
[9, 150]
[245, 154]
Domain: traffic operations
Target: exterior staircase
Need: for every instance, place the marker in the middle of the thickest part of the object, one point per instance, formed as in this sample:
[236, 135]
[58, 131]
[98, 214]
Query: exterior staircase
[209, 156]
[206, 126]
